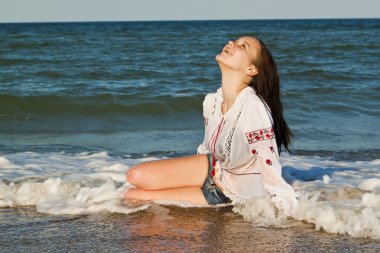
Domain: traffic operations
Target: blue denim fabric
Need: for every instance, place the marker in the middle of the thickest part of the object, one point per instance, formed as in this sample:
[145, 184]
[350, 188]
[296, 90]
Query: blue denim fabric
[211, 191]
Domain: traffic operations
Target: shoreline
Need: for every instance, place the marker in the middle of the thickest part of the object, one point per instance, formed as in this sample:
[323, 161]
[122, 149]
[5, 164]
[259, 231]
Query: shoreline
[165, 228]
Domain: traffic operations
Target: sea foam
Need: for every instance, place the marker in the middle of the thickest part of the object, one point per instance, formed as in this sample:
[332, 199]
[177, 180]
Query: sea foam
[337, 196]
[73, 184]
[348, 202]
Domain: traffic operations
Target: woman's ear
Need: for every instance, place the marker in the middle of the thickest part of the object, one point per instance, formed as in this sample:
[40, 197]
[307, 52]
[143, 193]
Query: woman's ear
[251, 71]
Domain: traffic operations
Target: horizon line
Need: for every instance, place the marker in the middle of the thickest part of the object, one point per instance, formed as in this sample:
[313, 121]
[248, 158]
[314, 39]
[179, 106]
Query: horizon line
[183, 20]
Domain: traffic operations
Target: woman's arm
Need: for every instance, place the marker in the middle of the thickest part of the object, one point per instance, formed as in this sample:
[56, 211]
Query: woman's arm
[260, 137]
[208, 109]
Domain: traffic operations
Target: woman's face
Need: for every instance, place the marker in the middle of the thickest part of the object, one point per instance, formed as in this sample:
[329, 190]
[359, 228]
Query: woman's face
[239, 54]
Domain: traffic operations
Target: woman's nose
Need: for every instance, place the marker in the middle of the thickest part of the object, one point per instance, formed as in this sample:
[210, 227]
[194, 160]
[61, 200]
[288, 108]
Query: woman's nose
[231, 43]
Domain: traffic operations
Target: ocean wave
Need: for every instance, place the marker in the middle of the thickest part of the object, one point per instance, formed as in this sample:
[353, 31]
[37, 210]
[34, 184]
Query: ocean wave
[331, 75]
[28, 45]
[102, 104]
[336, 196]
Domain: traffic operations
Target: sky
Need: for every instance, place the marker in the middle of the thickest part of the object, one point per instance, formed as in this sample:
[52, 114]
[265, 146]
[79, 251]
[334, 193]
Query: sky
[138, 10]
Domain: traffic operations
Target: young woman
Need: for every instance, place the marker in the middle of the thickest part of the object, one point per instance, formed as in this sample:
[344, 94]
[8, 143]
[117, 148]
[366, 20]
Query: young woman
[244, 133]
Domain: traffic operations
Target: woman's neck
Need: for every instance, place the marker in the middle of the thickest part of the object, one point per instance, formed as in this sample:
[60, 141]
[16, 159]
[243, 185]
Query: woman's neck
[232, 85]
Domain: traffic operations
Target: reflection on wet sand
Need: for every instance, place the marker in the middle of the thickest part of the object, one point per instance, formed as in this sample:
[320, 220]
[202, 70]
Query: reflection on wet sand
[176, 229]
[159, 228]
[163, 228]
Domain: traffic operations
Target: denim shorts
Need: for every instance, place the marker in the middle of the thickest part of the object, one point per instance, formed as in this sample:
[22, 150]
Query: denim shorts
[211, 191]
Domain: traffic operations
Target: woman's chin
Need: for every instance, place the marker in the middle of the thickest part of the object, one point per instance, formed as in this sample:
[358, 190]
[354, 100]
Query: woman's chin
[220, 59]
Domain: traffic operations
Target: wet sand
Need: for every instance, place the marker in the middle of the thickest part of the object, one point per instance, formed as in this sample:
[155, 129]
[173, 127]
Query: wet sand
[163, 229]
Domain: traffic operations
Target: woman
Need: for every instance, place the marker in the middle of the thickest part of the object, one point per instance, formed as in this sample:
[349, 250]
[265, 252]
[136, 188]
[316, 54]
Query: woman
[244, 134]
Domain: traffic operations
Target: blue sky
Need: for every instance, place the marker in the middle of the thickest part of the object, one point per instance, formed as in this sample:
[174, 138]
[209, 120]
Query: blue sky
[125, 10]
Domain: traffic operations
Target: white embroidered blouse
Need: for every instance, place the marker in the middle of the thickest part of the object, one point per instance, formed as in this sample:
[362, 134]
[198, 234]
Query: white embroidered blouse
[244, 145]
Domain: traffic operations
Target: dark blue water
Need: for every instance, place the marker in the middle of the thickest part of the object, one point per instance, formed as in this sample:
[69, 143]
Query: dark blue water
[138, 87]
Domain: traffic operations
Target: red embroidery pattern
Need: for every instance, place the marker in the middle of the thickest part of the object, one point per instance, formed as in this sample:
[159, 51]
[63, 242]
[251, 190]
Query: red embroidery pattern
[255, 152]
[269, 162]
[259, 135]
[271, 149]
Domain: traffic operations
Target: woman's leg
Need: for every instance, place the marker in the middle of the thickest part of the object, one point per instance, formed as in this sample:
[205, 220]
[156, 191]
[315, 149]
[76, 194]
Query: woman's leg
[180, 172]
[188, 194]
[170, 179]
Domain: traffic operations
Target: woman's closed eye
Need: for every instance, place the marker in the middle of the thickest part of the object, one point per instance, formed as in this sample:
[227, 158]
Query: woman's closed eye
[242, 45]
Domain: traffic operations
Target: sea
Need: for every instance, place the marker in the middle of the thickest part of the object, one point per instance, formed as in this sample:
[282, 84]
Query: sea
[83, 102]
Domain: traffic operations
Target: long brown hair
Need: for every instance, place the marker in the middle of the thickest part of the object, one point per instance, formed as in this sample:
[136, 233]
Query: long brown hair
[267, 86]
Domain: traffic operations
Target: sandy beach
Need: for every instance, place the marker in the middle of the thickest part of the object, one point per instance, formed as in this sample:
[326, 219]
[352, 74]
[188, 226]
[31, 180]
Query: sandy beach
[165, 229]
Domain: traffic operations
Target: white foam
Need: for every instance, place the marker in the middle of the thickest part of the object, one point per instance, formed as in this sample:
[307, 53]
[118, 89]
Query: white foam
[347, 217]
[371, 200]
[370, 184]
[86, 183]
[262, 212]
[326, 179]
[345, 201]
[5, 163]
[337, 196]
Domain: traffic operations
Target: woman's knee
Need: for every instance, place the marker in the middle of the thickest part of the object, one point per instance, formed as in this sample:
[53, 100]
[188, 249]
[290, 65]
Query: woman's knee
[135, 176]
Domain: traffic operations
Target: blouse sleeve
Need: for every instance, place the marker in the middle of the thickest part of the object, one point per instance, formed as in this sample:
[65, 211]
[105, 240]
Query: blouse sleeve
[201, 150]
[208, 107]
[260, 137]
